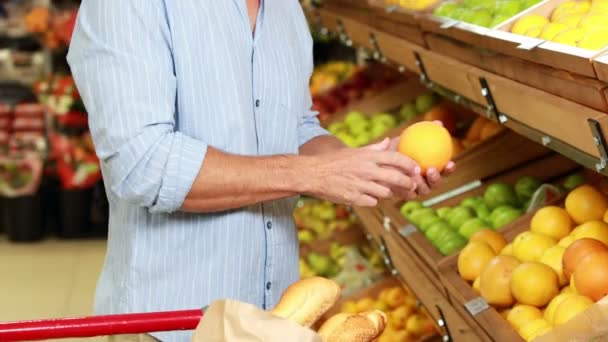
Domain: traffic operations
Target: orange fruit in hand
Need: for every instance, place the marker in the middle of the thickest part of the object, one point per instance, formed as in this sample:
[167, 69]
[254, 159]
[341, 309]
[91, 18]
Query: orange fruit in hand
[586, 203]
[428, 144]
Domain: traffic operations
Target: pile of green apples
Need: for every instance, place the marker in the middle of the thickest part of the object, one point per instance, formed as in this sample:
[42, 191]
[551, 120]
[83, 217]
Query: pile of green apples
[486, 13]
[449, 228]
[358, 129]
[318, 220]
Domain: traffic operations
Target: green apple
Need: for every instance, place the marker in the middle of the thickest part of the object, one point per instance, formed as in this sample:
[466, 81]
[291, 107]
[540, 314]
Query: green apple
[427, 222]
[472, 226]
[474, 4]
[452, 246]
[336, 127]
[385, 119]
[363, 138]
[481, 17]
[482, 210]
[574, 181]
[530, 3]
[425, 102]
[443, 212]
[409, 207]
[327, 213]
[499, 19]
[498, 194]
[349, 141]
[444, 236]
[508, 8]
[459, 13]
[460, 215]
[321, 264]
[446, 9]
[408, 112]
[435, 231]
[358, 127]
[417, 215]
[526, 186]
[305, 236]
[353, 117]
[377, 130]
[506, 217]
[471, 201]
[440, 225]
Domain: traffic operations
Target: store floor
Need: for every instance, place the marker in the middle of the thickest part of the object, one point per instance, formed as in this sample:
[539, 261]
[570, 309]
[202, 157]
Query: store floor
[53, 278]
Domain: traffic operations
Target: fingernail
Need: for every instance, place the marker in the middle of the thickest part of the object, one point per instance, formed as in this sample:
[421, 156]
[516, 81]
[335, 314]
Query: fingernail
[418, 170]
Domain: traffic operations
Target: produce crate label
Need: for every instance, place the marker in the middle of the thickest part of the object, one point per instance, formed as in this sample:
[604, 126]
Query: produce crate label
[476, 306]
[452, 193]
[391, 8]
[407, 230]
[450, 23]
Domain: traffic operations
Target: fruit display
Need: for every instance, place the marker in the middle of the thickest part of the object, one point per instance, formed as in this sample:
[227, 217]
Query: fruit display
[449, 228]
[550, 272]
[413, 5]
[406, 321]
[371, 78]
[328, 75]
[317, 220]
[486, 13]
[583, 24]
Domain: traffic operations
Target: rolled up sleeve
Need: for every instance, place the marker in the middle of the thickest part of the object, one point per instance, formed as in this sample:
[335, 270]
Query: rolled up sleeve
[121, 60]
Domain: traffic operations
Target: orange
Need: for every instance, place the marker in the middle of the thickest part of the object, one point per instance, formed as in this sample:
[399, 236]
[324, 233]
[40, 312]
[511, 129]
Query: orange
[521, 314]
[578, 251]
[489, 129]
[530, 246]
[586, 203]
[427, 143]
[494, 281]
[473, 259]
[591, 276]
[552, 221]
[549, 313]
[533, 329]
[535, 284]
[491, 237]
[474, 132]
[443, 114]
[605, 219]
[553, 258]
[597, 230]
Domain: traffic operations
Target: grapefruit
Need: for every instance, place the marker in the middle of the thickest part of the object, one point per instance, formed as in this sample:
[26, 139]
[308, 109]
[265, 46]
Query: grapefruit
[591, 276]
[427, 143]
[473, 259]
[491, 237]
[570, 307]
[578, 251]
[521, 313]
[533, 283]
[494, 281]
[533, 329]
[586, 203]
[552, 221]
[530, 246]
[549, 313]
[553, 258]
[597, 230]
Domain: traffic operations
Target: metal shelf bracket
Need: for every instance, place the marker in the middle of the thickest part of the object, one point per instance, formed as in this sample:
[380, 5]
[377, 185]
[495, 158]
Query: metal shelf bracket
[377, 54]
[600, 141]
[388, 261]
[492, 110]
[447, 337]
[342, 35]
[424, 77]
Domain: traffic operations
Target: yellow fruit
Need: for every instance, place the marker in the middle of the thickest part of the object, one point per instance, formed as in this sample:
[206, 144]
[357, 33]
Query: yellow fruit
[505, 313]
[549, 314]
[520, 314]
[533, 329]
[382, 306]
[491, 237]
[473, 259]
[599, 6]
[508, 250]
[365, 304]
[553, 258]
[534, 32]
[570, 8]
[591, 276]
[495, 279]
[349, 307]
[528, 22]
[531, 246]
[427, 143]
[416, 325]
[401, 335]
[585, 203]
[595, 40]
[570, 307]
[551, 30]
[476, 285]
[567, 241]
[395, 297]
[551, 221]
[569, 37]
[533, 283]
[592, 22]
[399, 317]
[571, 21]
[605, 219]
[568, 290]
[597, 230]
[382, 294]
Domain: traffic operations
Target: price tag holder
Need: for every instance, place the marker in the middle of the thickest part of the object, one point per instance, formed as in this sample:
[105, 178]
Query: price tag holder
[530, 44]
[449, 24]
[452, 193]
[476, 306]
[407, 230]
[391, 8]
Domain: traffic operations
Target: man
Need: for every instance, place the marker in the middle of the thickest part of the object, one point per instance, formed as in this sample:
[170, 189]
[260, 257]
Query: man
[200, 114]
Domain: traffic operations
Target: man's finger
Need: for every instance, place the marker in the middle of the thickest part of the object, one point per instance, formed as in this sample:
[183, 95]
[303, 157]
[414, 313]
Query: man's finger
[402, 162]
[449, 168]
[394, 144]
[381, 146]
[422, 188]
[433, 176]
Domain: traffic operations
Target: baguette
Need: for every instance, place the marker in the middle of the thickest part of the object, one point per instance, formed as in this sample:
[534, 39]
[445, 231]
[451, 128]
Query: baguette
[305, 301]
[361, 327]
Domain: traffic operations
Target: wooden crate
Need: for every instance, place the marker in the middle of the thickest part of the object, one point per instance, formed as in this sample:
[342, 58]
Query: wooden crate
[546, 169]
[372, 223]
[399, 22]
[547, 113]
[580, 89]
[461, 293]
[600, 63]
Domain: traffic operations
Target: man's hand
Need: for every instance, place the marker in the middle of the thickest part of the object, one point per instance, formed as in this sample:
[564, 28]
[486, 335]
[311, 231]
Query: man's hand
[424, 183]
[360, 176]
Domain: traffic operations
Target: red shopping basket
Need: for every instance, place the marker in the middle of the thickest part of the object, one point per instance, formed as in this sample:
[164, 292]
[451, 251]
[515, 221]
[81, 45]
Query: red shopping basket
[135, 323]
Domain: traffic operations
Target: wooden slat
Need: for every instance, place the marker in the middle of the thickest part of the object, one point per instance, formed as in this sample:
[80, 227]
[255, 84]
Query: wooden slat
[601, 67]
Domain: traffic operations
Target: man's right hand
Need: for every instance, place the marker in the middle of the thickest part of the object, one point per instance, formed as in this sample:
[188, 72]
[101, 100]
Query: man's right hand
[360, 176]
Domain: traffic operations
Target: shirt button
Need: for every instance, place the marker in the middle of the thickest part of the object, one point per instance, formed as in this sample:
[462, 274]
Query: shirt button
[268, 285]
[269, 225]
[257, 103]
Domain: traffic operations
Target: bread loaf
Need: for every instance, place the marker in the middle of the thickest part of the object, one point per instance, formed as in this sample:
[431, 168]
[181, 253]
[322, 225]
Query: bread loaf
[305, 301]
[358, 327]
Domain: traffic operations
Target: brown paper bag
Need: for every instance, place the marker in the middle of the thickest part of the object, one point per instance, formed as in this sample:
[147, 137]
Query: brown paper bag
[230, 320]
[590, 325]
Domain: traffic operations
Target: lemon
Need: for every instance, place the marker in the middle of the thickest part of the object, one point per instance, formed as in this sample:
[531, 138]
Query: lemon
[533, 329]
[571, 21]
[570, 37]
[570, 8]
[528, 22]
[552, 29]
[595, 40]
[570, 307]
[549, 314]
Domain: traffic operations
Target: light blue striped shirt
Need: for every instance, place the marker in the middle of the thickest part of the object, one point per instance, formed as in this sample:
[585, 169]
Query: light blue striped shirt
[162, 80]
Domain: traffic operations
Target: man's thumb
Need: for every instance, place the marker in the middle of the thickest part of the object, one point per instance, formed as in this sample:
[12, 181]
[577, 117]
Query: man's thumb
[381, 146]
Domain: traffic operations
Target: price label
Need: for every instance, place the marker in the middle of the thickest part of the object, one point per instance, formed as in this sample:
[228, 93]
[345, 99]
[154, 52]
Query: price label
[530, 44]
[391, 9]
[476, 306]
[407, 230]
[448, 24]
[386, 222]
